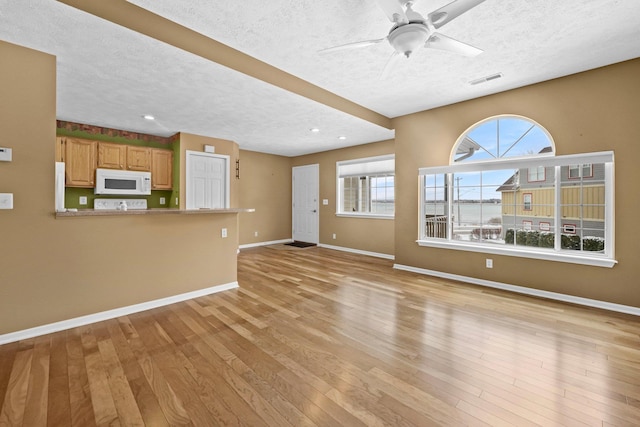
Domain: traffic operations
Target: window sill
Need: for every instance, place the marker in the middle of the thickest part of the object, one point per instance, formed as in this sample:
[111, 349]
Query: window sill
[592, 260]
[364, 215]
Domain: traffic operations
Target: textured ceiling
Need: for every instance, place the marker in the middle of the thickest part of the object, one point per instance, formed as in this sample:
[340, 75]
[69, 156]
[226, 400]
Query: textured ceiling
[111, 76]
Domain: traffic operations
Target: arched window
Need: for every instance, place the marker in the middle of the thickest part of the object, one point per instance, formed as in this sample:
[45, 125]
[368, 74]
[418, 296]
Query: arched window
[506, 192]
[502, 137]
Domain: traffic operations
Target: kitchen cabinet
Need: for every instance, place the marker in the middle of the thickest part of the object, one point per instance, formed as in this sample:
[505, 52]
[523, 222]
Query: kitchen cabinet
[161, 169]
[138, 158]
[111, 156]
[80, 157]
[59, 149]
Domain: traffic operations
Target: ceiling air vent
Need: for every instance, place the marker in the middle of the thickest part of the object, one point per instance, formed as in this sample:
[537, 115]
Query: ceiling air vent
[485, 79]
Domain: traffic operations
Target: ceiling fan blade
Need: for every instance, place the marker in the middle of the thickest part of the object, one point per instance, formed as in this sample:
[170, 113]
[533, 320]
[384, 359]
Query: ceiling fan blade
[353, 45]
[390, 65]
[394, 11]
[448, 13]
[442, 42]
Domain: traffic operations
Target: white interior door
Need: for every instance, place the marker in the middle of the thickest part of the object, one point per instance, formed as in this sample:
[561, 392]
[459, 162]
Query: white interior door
[207, 180]
[305, 203]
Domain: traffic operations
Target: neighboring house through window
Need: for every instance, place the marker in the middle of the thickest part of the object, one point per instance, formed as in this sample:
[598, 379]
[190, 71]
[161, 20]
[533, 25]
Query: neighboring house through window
[506, 192]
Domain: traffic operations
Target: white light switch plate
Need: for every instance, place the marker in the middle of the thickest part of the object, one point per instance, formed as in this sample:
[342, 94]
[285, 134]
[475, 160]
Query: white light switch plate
[6, 200]
[325, 201]
[5, 154]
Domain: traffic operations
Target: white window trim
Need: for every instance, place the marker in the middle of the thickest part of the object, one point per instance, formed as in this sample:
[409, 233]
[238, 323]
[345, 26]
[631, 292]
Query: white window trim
[593, 259]
[522, 252]
[364, 215]
[369, 215]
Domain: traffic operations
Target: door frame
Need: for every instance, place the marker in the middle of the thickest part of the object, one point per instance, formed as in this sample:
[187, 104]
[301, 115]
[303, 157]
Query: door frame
[188, 175]
[316, 167]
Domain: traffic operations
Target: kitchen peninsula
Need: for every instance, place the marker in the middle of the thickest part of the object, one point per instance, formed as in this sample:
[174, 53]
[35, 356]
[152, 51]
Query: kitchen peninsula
[160, 211]
[61, 270]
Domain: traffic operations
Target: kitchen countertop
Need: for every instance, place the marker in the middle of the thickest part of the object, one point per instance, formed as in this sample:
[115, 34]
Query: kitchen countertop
[158, 211]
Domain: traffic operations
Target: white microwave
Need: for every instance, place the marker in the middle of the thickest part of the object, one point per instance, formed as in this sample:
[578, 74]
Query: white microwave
[110, 181]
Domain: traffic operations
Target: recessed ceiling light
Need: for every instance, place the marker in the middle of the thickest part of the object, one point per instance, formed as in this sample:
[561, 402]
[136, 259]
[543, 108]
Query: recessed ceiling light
[342, 138]
[314, 130]
[148, 117]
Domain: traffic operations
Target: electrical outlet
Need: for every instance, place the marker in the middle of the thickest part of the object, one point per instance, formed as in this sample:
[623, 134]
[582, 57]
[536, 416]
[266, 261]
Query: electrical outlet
[176, 201]
[6, 200]
[223, 233]
[325, 201]
[255, 234]
[489, 263]
[334, 236]
[163, 201]
[83, 200]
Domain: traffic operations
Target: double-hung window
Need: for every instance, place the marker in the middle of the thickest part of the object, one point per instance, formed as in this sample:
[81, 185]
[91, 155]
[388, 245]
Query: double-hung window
[492, 204]
[366, 187]
[581, 171]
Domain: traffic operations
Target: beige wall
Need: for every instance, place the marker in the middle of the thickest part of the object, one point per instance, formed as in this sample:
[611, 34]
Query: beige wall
[265, 185]
[56, 269]
[373, 235]
[592, 111]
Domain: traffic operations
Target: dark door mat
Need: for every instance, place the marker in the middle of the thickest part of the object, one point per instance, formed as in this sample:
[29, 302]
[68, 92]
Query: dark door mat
[300, 244]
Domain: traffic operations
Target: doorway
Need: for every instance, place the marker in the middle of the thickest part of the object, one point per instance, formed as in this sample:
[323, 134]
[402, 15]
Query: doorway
[207, 183]
[305, 203]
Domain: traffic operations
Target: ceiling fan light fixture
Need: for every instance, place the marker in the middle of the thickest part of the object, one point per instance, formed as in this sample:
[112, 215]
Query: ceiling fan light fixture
[408, 38]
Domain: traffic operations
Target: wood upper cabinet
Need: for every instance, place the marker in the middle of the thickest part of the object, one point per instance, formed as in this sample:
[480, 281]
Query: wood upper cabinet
[80, 157]
[60, 149]
[111, 156]
[161, 169]
[138, 158]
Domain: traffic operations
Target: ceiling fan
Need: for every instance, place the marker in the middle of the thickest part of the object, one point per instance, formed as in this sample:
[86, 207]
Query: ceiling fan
[411, 31]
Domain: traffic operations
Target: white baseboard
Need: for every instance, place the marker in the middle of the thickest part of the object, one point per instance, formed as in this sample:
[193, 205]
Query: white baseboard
[110, 314]
[273, 242]
[527, 291]
[357, 251]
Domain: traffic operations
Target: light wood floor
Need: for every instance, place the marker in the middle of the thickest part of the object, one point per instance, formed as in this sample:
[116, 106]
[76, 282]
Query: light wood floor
[319, 337]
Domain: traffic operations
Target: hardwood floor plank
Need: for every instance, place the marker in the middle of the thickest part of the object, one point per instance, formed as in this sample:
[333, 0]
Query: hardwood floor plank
[264, 299]
[171, 405]
[226, 405]
[7, 358]
[35, 413]
[79, 392]
[123, 398]
[362, 414]
[317, 337]
[438, 410]
[104, 407]
[143, 395]
[58, 401]
[12, 411]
